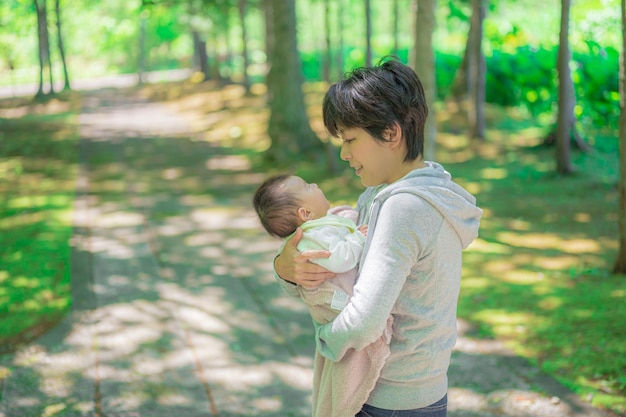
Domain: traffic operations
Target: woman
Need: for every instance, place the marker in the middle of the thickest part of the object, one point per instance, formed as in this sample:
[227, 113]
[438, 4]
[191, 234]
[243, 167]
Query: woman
[419, 221]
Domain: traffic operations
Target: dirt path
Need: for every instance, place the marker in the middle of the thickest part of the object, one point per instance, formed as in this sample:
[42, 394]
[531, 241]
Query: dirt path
[175, 309]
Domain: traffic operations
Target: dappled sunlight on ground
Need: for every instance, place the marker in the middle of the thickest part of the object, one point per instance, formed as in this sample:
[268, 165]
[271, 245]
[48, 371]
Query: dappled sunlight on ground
[23, 107]
[549, 241]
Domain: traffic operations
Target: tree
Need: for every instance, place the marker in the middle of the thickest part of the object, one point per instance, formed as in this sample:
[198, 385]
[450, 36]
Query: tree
[327, 43]
[395, 24]
[340, 41]
[566, 96]
[566, 120]
[288, 128]
[141, 55]
[199, 27]
[476, 72]
[460, 86]
[470, 78]
[620, 262]
[424, 65]
[244, 39]
[269, 28]
[66, 77]
[44, 45]
[368, 33]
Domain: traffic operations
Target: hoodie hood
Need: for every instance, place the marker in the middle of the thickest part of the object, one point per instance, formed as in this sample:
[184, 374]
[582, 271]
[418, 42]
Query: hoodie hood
[434, 184]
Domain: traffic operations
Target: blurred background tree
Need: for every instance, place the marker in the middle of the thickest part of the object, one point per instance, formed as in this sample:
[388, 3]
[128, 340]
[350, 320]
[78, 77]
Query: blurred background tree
[620, 261]
[520, 47]
[288, 126]
[483, 52]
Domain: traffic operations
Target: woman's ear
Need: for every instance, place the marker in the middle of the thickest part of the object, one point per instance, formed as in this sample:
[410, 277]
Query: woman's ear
[393, 134]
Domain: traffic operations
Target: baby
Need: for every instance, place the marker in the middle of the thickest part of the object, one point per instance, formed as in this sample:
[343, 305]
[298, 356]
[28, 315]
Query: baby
[284, 203]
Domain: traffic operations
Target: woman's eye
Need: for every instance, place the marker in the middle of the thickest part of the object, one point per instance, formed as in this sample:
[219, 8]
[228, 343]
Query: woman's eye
[348, 140]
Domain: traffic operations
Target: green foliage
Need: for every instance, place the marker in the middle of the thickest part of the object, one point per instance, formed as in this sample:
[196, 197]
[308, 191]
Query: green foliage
[597, 85]
[447, 65]
[521, 46]
[527, 78]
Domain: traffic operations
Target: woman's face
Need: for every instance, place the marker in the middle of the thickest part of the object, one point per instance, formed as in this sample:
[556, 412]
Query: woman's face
[374, 161]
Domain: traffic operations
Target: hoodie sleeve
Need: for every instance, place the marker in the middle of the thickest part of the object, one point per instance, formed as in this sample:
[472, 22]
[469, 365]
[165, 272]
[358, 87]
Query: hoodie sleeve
[404, 228]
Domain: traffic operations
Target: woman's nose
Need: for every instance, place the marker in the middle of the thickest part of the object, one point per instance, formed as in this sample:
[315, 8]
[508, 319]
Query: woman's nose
[343, 153]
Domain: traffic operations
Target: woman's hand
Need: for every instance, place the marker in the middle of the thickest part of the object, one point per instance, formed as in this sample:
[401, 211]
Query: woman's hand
[294, 266]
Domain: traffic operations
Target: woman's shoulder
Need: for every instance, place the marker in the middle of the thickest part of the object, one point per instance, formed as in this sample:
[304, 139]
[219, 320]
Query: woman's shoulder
[368, 195]
[408, 204]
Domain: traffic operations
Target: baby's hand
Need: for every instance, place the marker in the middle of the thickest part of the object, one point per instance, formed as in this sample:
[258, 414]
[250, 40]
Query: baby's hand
[363, 229]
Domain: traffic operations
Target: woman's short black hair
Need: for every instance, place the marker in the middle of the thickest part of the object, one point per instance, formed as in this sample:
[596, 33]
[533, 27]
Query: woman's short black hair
[374, 98]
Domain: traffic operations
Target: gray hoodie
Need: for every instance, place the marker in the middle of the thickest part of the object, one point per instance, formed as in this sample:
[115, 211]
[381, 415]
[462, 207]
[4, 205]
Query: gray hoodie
[410, 268]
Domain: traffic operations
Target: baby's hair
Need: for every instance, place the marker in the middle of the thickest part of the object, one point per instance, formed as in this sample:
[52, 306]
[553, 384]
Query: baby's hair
[276, 207]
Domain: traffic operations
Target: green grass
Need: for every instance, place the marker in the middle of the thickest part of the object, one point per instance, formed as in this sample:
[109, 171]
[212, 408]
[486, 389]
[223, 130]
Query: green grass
[539, 275]
[37, 181]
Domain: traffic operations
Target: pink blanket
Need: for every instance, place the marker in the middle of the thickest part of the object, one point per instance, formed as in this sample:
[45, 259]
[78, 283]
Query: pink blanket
[341, 388]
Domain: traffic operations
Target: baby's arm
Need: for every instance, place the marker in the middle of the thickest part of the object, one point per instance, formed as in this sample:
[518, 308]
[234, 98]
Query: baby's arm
[345, 249]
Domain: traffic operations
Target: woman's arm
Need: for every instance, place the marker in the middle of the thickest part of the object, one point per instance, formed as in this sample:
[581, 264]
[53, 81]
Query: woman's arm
[294, 266]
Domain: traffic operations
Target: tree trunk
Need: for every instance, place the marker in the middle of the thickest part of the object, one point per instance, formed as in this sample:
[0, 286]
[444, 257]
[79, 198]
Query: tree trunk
[141, 64]
[460, 85]
[47, 45]
[200, 57]
[244, 39]
[41, 55]
[424, 65]
[340, 41]
[327, 45]
[395, 25]
[566, 132]
[225, 59]
[269, 30]
[566, 98]
[620, 262]
[44, 46]
[212, 50]
[289, 129]
[476, 73]
[368, 33]
[57, 8]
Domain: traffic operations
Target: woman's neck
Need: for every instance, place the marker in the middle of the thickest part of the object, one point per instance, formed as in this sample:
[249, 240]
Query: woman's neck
[409, 166]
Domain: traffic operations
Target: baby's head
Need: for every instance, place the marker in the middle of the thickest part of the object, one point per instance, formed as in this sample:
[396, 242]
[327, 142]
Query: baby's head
[283, 202]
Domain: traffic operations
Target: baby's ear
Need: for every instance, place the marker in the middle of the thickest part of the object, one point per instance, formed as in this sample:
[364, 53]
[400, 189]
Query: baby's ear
[303, 214]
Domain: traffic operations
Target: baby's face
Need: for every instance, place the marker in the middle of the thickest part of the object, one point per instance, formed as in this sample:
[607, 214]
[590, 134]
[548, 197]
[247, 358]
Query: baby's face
[311, 196]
